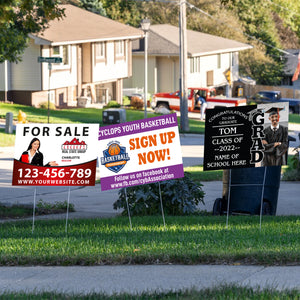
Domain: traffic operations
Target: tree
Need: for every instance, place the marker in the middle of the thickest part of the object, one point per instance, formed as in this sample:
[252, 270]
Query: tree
[123, 11]
[18, 18]
[94, 6]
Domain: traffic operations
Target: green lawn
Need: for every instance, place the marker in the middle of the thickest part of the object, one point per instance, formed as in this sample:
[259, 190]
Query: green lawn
[6, 140]
[293, 118]
[198, 174]
[79, 115]
[230, 292]
[186, 240]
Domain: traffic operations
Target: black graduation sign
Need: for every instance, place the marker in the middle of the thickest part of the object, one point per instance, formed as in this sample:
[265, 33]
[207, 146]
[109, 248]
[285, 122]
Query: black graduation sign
[233, 137]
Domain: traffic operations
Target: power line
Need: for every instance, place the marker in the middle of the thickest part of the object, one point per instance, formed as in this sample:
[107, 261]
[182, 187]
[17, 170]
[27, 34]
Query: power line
[285, 8]
[159, 1]
[238, 30]
[232, 27]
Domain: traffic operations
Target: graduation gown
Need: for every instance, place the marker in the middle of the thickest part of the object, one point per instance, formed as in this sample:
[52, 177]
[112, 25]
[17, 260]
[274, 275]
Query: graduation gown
[275, 156]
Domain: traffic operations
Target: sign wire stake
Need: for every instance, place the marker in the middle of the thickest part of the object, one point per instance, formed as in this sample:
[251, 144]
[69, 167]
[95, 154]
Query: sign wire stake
[68, 205]
[228, 199]
[161, 205]
[128, 208]
[33, 214]
[262, 198]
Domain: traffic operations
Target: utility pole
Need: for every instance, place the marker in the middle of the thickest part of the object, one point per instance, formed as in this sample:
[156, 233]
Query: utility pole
[184, 121]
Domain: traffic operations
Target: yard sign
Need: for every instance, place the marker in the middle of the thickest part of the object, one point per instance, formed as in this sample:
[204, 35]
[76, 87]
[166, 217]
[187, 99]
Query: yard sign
[140, 152]
[73, 148]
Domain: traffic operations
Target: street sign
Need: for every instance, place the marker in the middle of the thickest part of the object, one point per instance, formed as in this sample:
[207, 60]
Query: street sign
[54, 60]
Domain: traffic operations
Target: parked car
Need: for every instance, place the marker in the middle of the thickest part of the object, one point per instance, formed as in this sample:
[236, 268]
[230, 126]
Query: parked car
[273, 97]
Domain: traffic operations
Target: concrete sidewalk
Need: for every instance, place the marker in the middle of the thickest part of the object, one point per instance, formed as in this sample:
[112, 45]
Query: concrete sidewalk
[139, 279]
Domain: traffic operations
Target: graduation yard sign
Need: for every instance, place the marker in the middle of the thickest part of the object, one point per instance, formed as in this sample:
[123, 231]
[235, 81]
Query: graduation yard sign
[246, 136]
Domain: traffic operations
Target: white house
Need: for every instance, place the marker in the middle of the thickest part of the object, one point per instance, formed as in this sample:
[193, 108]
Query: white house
[96, 56]
[291, 62]
[209, 57]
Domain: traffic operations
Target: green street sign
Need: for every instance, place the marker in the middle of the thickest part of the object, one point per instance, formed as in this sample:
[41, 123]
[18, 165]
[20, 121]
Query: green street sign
[53, 60]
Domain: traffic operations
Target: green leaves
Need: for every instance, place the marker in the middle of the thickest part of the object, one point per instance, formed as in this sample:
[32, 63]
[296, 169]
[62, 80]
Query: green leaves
[179, 196]
[18, 19]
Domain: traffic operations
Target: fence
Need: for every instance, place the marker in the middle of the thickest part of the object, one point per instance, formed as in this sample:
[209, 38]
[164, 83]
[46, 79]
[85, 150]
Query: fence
[285, 92]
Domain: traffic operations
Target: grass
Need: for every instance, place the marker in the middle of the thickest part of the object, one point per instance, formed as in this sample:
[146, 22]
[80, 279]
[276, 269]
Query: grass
[294, 118]
[18, 211]
[80, 115]
[185, 240]
[218, 293]
[6, 140]
[198, 174]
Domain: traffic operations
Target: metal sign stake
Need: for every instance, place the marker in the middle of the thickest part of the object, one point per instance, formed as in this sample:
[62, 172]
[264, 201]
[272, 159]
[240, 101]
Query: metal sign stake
[67, 215]
[262, 198]
[228, 199]
[128, 208]
[33, 214]
[161, 205]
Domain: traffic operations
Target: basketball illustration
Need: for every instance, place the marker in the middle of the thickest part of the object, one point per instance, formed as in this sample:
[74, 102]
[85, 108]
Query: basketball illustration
[114, 149]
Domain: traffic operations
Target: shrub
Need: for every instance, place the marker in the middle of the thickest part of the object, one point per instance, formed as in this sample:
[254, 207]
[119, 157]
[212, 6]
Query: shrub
[137, 102]
[293, 171]
[44, 105]
[126, 101]
[179, 197]
[113, 104]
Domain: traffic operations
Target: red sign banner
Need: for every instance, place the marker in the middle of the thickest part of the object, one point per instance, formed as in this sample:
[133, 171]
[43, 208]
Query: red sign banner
[76, 175]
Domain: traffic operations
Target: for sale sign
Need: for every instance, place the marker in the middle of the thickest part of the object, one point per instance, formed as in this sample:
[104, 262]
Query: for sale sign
[140, 152]
[246, 136]
[55, 154]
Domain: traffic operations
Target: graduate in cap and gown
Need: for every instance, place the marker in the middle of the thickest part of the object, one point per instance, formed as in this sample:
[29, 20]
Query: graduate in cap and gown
[275, 140]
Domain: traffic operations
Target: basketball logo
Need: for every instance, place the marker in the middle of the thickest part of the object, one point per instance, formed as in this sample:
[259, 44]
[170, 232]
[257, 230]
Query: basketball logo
[114, 157]
[114, 149]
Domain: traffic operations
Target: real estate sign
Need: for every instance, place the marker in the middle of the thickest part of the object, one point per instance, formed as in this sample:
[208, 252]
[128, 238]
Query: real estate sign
[55, 154]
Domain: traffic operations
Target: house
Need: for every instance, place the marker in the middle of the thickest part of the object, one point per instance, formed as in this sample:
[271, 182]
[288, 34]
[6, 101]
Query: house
[291, 62]
[209, 58]
[96, 56]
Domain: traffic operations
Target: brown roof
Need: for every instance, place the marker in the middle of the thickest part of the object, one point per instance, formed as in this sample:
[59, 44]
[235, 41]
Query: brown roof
[164, 40]
[80, 25]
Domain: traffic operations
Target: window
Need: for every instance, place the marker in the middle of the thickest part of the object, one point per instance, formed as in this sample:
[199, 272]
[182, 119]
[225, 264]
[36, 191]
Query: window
[100, 51]
[210, 78]
[195, 64]
[55, 50]
[64, 53]
[119, 48]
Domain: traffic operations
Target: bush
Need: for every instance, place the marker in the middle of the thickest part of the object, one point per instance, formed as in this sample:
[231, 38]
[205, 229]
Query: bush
[293, 171]
[137, 102]
[113, 104]
[179, 197]
[44, 105]
[126, 101]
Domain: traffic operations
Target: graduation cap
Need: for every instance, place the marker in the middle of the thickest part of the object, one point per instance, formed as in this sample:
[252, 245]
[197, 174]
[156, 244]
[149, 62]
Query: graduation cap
[274, 110]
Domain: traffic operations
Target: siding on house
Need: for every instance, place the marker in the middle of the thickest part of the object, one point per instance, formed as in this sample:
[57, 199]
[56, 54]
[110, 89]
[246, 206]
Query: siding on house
[114, 67]
[29, 81]
[215, 55]
[26, 75]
